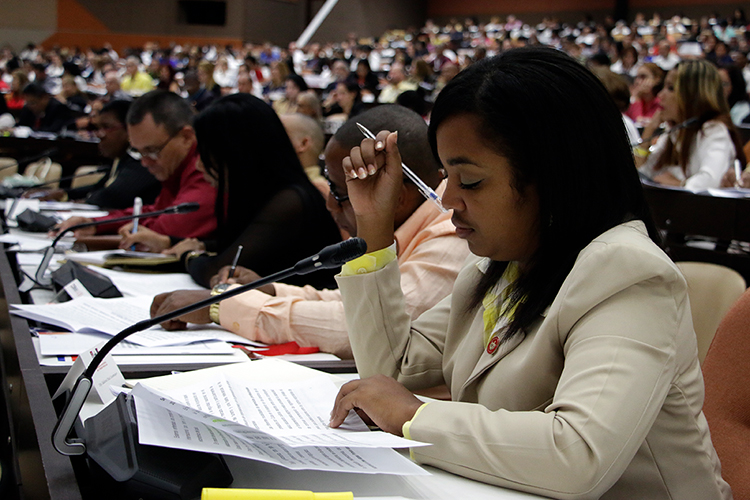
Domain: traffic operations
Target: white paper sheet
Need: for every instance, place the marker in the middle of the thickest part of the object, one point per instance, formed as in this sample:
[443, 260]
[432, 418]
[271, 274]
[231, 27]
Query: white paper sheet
[55, 344]
[135, 284]
[21, 206]
[284, 423]
[109, 316]
[156, 361]
[57, 206]
[33, 242]
[290, 413]
[97, 258]
[81, 213]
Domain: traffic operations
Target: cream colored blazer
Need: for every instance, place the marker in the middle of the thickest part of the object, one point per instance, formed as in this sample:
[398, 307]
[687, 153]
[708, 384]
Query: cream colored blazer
[601, 398]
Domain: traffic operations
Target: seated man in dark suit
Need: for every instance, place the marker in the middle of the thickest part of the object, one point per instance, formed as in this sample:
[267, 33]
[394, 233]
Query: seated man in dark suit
[126, 179]
[41, 112]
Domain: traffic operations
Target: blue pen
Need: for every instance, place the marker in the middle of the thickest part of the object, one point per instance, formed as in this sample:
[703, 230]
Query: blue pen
[137, 207]
[423, 188]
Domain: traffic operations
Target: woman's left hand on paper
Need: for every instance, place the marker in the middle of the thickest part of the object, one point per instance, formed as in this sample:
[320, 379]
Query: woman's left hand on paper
[385, 401]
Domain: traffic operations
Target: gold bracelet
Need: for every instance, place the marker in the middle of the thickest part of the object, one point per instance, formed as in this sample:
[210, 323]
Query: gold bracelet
[213, 310]
[641, 152]
[213, 313]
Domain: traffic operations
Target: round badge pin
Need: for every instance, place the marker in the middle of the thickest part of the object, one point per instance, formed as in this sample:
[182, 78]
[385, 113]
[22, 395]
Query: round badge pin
[493, 345]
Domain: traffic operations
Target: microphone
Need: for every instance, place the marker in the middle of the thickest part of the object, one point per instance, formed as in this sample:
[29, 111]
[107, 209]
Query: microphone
[25, 190]
[330, 257]
[39, 279]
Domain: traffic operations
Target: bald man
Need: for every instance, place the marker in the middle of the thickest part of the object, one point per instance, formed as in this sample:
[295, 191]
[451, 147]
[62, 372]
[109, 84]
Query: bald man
[308, 141]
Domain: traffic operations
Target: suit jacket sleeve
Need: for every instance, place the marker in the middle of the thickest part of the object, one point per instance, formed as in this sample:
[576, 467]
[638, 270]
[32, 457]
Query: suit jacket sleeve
[618, 332]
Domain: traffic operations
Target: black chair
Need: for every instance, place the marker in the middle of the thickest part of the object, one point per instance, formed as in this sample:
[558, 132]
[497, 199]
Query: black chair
[744, 130]
[686, 218]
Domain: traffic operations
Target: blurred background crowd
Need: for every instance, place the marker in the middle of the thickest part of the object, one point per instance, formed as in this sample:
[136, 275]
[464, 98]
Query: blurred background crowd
[333, 81]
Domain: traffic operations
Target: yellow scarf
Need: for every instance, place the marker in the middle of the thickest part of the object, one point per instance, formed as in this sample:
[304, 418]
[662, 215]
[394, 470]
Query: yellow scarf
[495, 302]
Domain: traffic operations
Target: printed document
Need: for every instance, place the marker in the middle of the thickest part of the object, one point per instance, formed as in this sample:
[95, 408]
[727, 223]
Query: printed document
[109, 316]
[284, 423]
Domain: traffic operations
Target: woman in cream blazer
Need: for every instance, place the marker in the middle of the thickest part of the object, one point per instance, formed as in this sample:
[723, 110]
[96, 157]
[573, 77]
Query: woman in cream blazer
[567, 344]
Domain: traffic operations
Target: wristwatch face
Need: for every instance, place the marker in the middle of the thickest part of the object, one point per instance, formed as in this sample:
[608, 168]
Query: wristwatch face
[220, 288]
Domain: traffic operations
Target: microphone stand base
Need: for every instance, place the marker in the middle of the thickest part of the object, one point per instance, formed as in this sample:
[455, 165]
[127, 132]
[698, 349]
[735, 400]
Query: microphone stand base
[144, 471]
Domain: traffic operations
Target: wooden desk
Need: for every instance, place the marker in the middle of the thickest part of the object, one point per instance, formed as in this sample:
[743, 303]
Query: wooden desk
[37, 469]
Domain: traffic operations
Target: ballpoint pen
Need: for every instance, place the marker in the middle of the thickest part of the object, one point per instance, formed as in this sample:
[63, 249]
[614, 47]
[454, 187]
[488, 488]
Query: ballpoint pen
[137, 207]
[423, 188]
[737, 173]
[236, 259]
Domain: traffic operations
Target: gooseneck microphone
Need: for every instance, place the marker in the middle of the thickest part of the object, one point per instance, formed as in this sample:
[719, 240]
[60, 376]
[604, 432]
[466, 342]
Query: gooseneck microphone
[19, 193]
[330, 257]
[111, 438]
[40, 280]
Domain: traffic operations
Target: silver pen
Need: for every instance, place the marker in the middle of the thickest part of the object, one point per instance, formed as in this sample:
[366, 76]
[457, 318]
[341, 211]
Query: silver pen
[423, 188]
[236, 259]
[737, 173]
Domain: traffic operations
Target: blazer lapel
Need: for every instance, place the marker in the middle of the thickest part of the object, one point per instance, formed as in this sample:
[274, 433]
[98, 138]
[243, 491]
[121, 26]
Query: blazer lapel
[487, 360]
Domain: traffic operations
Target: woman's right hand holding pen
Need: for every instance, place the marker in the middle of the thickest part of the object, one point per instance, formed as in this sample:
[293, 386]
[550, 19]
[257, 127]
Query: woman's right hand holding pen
[374, 181]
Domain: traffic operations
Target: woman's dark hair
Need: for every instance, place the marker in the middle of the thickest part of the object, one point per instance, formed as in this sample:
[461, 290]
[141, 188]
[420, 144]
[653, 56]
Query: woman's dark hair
[353, 87]
[739, 87]
[628, 49]
[298, 81]
[244, 146]
[585, 176]
[164, 84]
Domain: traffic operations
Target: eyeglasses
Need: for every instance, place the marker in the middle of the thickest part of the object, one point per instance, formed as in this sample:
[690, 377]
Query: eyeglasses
[340, 199]
[152, 155]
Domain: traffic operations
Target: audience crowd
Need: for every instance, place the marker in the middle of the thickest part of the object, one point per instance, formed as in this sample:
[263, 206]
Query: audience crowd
[336, 80]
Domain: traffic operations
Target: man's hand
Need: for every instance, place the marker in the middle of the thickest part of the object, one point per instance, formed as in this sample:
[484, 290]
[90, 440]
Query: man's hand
[167, 302]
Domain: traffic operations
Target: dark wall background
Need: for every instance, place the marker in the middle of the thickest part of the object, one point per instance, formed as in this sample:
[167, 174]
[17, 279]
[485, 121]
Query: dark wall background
[132, 22]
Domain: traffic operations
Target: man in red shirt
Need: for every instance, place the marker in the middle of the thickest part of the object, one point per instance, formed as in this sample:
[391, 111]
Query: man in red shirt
[160, 132]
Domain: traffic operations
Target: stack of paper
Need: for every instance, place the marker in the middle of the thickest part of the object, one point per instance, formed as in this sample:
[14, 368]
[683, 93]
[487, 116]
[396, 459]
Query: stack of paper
[110, 316]
[32, 242]
[279, 422]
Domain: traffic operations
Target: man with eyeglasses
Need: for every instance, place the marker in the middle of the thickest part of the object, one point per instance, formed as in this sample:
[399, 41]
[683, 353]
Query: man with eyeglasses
[125, 179]
[162, 137]
[429, 252]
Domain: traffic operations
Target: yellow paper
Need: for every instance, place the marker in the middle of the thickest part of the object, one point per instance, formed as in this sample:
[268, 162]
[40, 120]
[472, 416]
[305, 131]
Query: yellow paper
[253, 494]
